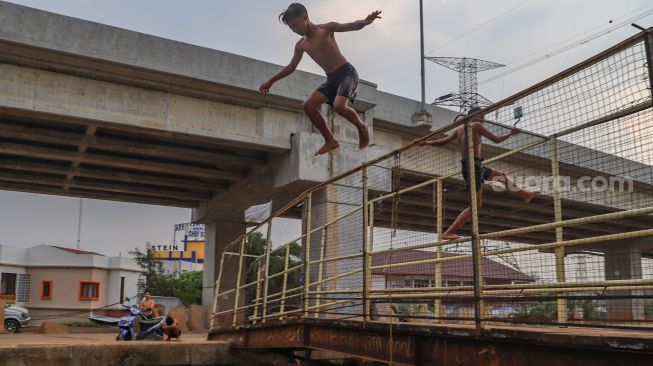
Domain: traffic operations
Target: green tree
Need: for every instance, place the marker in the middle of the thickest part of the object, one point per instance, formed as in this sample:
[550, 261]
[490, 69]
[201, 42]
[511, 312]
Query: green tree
[187, 286]
[151, 265]
[255, 245]
[648, 307]
[546, 311]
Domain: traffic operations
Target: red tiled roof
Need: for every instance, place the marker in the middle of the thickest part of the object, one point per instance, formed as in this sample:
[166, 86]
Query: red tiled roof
[75, 251]
[455, 268]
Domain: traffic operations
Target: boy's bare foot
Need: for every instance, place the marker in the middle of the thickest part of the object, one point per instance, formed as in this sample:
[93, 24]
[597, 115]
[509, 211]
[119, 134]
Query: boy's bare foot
[530, 196]
[446, 236]
[328, 146]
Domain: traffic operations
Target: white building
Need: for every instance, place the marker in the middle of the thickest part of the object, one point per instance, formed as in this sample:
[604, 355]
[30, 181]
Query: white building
[51, 280]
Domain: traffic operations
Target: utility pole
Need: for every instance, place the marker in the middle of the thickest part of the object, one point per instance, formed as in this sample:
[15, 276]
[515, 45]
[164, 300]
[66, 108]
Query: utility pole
[422, 118]
[421, 40]
[79, 223]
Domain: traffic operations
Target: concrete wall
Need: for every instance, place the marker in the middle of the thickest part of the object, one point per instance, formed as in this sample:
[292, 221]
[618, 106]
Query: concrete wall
[66, 287]
[66, 269]
[131, 285]
[11, 261]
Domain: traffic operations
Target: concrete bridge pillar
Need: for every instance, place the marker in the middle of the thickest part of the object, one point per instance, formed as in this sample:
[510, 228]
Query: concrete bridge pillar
[218, 235]
[623, 261]
[343, 238]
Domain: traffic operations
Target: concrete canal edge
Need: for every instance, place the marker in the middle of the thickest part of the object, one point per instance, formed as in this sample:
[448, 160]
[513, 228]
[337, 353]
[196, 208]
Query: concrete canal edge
[209, 353]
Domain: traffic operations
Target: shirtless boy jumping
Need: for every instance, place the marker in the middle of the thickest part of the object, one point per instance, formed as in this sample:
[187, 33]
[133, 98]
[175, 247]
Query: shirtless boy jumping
[481, 172]
[319, 42]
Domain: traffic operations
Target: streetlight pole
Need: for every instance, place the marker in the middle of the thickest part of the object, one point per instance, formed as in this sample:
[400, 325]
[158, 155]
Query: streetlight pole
[79, 223]
[421, 40]
[422, 119]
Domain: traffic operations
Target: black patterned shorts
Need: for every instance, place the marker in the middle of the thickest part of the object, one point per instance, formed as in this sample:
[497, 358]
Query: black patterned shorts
[341, 82]
[481, 173]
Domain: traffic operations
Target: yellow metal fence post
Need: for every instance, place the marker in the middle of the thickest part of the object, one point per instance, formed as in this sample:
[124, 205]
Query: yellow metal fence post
[266, 271]
[320, 271]
[282, 309]
[476, 242]
[560, 250]
[307, 254]
[240, 272]
[257, 299]
[437, 313]
[367, 278]
[217, 291]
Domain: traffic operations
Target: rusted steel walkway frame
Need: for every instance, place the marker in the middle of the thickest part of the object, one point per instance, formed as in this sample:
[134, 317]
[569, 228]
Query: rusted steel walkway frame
[448, 345]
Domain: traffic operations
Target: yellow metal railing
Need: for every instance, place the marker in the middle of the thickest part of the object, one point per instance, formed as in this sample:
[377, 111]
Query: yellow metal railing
[349, 262]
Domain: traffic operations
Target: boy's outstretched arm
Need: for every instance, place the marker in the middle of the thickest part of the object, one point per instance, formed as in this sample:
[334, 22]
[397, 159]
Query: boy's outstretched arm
[297, 56]
[359, 24]
[439, 142]
[494, 138]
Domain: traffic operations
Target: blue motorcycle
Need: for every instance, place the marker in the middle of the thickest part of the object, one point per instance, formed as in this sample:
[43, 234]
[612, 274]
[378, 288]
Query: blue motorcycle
[135, 326]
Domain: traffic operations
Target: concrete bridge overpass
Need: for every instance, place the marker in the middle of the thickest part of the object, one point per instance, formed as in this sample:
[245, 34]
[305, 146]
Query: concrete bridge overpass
[118, 109]
[90, 110]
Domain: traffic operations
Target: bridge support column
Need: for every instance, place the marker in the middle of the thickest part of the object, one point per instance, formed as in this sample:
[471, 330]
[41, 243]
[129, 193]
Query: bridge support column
[218, 236]
[340, 238]
[623, 261]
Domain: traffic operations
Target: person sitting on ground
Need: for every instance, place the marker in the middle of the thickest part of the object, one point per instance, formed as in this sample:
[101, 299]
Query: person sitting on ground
[171, 328]
[318, 40]
[147, 302]
[148, 313]
[481, 172]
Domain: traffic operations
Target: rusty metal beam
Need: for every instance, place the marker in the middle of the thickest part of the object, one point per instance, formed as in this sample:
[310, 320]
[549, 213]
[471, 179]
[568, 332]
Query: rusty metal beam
[449, 345]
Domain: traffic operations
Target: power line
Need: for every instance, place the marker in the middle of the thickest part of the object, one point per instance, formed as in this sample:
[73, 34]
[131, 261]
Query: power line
[568, 47]
[576, 35]
[479, 26]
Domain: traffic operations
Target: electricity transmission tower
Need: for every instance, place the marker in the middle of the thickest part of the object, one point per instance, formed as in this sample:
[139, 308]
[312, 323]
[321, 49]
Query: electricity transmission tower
[468, 69]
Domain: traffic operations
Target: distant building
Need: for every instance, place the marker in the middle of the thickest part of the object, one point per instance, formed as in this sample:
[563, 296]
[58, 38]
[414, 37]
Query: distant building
[189, 256]
[455, 272]
[52, 280]
[184, 257]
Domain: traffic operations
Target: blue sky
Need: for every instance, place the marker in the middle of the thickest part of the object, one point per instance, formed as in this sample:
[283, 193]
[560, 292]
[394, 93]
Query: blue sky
[386, 53]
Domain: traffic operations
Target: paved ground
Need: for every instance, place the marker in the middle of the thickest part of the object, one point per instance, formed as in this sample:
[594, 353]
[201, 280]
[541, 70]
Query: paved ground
[11, 340]
[101, 349]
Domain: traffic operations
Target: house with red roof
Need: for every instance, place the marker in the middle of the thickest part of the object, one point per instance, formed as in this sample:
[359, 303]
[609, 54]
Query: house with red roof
[455, 272]
[52, 280]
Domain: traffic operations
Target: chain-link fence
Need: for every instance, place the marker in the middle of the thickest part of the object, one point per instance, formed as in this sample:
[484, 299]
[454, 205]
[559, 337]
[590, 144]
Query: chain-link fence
[476, 223]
